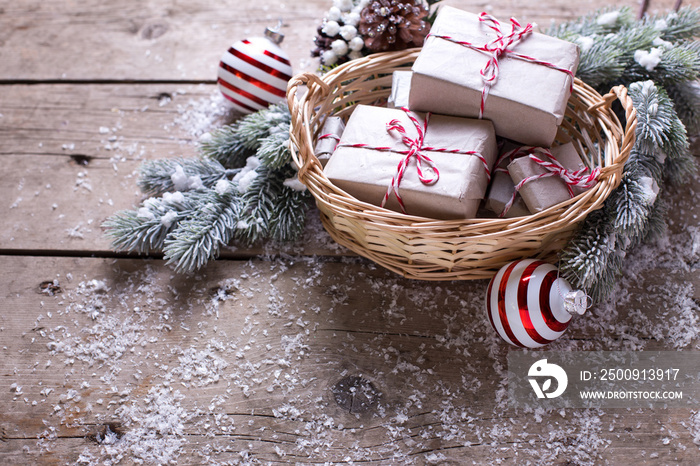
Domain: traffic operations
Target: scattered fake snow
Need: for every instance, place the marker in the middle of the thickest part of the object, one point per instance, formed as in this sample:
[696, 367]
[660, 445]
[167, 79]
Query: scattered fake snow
[295, 184]
[183, 182]
[212, 361]
[168, 219]
[247, 175]
[270, 342]
[608, 19]
[648, 59]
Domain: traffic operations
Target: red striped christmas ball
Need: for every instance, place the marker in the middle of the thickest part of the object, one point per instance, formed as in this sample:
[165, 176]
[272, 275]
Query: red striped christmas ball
[253, 73]
[529, 305]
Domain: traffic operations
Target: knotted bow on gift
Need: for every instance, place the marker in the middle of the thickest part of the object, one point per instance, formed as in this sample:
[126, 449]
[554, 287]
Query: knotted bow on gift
[579, 178]
[498, 48]
[415, 149]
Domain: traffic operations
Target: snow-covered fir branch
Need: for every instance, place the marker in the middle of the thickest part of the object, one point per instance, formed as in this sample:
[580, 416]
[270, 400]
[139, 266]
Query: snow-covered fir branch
[616, 48]
[243, 186]
[199, 238]
[180, 174]
[146, 228]
[593, 258]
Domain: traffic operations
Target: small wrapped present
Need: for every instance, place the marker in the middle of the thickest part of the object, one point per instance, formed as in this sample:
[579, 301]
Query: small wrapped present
[501, 192]
[473, 66]
[400, 85]
[545, 178]
[331, 131]
[433, 166]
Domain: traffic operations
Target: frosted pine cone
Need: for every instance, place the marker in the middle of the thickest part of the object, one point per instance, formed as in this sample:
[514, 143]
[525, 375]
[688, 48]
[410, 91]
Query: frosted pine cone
[394, 24]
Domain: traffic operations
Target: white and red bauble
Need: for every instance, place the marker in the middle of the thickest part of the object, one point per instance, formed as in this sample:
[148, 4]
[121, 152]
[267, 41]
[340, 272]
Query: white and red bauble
[253, 73]
[529, 305]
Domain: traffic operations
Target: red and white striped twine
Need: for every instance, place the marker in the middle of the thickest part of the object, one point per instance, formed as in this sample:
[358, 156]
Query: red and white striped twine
[498, 48]
[331, 136]
[579, 178]
[415, 149]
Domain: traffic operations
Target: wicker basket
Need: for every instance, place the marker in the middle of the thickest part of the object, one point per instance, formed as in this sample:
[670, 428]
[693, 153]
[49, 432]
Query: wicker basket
[429, 249]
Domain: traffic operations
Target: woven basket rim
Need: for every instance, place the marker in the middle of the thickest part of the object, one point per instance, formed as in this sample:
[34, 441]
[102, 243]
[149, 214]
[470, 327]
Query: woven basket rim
[309, 110]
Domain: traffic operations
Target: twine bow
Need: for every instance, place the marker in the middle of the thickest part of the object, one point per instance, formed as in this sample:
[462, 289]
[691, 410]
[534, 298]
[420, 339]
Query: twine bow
[498, 48]
[416, 148]
[578, 178]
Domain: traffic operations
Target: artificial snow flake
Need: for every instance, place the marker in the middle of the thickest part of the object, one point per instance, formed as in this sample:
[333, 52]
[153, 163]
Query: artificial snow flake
[195, 182]
[295, 184]
[585, 43]
[608, 19]
[144, 212]
[173, 198]
[168, 219]
[650, 59]
[221, 187]
[659, 42]
[182, 182]
[660, 24]
[179, 178]
[651, 189]
[247, 175]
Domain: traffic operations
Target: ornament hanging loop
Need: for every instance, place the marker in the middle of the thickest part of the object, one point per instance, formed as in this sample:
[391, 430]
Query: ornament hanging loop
[576, 302]
[274, 33]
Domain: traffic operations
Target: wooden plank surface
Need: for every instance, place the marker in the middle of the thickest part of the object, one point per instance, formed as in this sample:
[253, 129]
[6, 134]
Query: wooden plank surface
[71, 154]
[252, 361]
[166, 40]
[310, 357]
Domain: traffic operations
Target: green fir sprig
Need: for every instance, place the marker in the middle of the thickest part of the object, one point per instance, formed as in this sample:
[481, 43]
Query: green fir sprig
[242, 187]
[648, 56]
[594, 257]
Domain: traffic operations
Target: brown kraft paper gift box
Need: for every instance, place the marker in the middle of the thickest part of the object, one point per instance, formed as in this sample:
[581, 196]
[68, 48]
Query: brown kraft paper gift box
[328, 138]
[527, 101]
[366, 173]
[400, 84]
[502, 188]
[540, 194]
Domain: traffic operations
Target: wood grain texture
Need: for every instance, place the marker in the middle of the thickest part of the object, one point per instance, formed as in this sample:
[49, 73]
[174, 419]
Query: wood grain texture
[166, 40]
[296, 355]
[71, 155]
[253, 353]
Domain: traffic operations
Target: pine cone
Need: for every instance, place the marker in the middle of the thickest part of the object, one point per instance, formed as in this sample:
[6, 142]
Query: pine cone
[323, 42]
[394, 24]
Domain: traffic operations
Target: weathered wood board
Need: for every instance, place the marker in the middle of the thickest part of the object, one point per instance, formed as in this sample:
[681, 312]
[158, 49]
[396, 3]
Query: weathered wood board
[302, 354]
[71, 156]
[253, 361]
[165, 40]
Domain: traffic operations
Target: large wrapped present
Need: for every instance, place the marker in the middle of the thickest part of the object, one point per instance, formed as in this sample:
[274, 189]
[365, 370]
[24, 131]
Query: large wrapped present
[474, 66]
[433, 166]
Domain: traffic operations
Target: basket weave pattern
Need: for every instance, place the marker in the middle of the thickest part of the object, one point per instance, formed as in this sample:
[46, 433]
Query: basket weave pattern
[429, 249]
